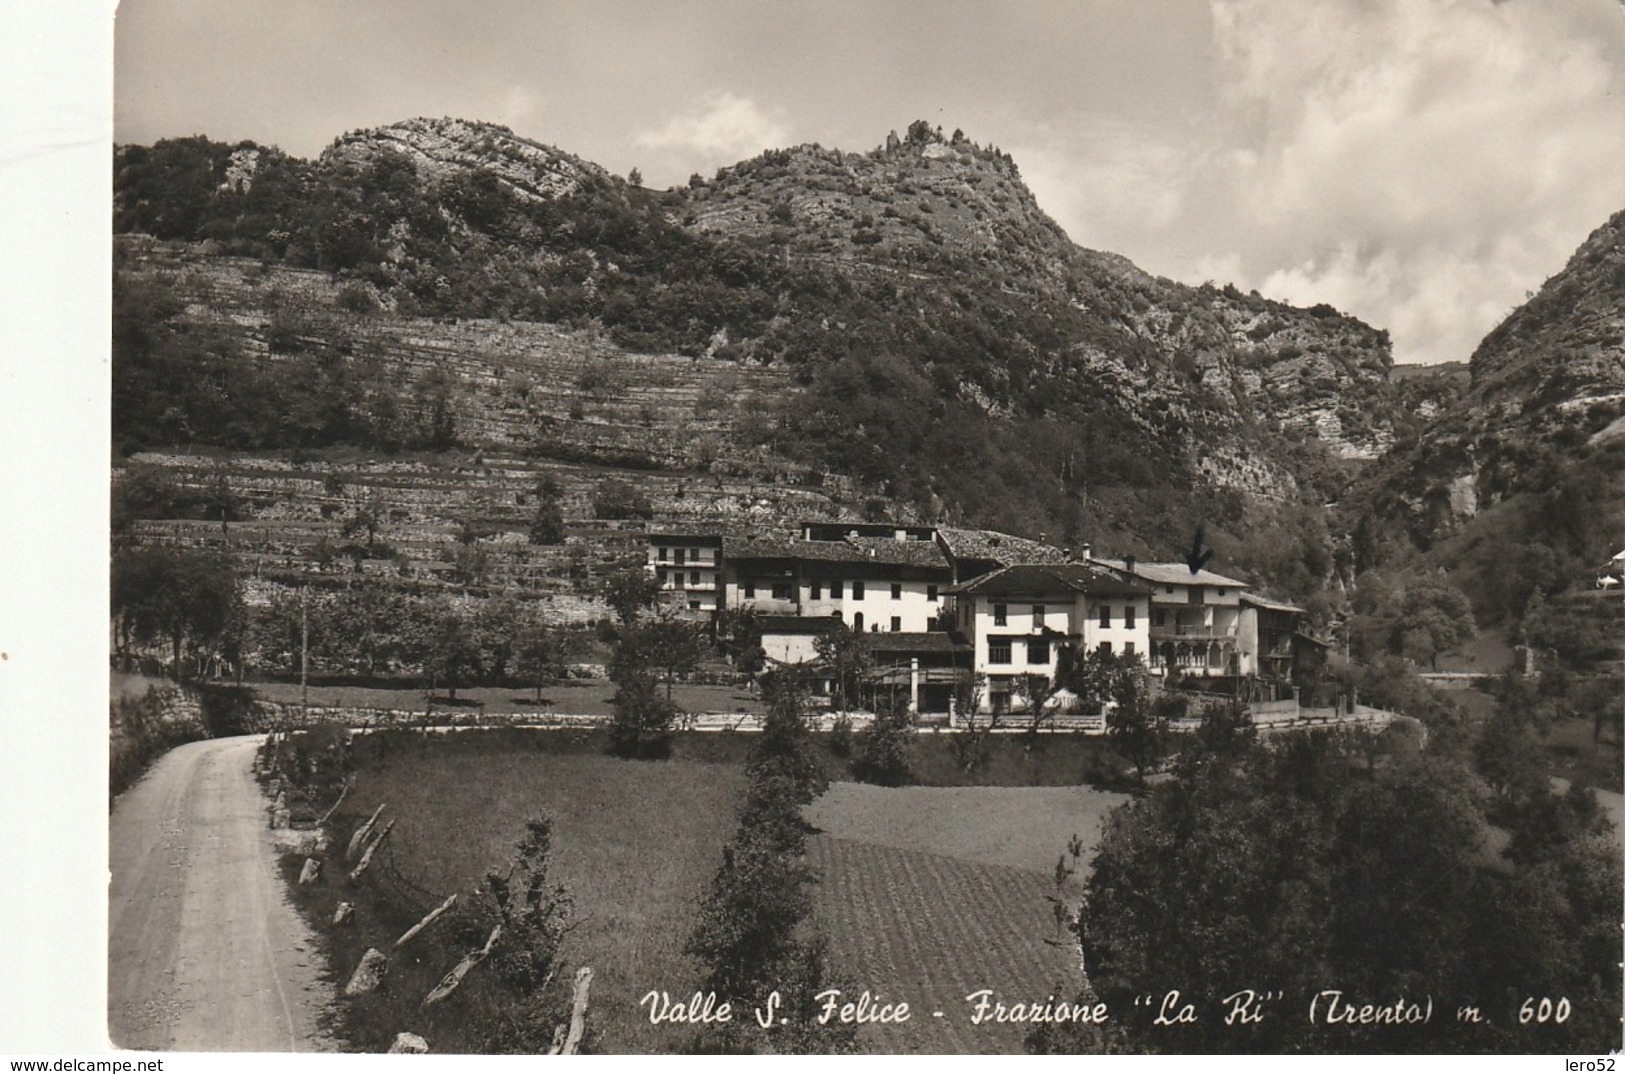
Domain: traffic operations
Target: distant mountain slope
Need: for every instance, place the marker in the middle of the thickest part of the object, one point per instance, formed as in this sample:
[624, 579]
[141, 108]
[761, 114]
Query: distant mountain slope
[1547, 392]
[947, 346]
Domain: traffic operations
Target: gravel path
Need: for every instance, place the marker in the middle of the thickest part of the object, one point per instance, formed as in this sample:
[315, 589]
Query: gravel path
[204, 951]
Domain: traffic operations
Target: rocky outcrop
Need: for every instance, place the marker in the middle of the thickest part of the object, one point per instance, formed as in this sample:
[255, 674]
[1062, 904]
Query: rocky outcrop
[442, 148]
[1547, 384]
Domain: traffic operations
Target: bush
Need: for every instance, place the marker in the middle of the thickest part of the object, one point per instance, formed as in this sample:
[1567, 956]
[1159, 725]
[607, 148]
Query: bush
[883, 749]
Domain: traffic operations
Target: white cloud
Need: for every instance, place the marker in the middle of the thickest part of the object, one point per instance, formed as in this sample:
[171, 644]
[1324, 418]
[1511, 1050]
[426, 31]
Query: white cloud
[1420, 164]
[518, 107]
[721, 130]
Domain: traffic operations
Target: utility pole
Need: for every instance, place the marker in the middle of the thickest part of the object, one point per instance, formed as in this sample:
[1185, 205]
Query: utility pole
[304, 653]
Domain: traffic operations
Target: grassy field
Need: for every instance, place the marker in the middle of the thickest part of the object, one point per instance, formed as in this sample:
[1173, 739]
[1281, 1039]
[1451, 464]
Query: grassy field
[930, 930]
[636, 842]
[927, 894]
[1011, 827]
[931, 893]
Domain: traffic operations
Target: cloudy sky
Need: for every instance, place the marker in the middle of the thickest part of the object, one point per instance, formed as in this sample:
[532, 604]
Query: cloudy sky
[1421, 163]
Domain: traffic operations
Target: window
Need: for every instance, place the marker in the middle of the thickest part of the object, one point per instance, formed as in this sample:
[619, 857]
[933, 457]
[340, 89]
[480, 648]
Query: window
[998, 650]
[694, 555]
[1105, 648]
[1038, 651]
[857, 622]
[1170, 589]
[1105, 615]
[1001, 614]
[661, 577]
[750, 589]
[1220, 592]
[1128, 617]
[1038, 615]
[781, 591]
[680, 554]
[1128, 648]
[693, 577]
[817, 591]
[896, 624]
[857, 589]
[835, 588]
[897, 591]
[1159, 618]
[665, 554]
[1195, 594]
[693, 605]
[931, 593]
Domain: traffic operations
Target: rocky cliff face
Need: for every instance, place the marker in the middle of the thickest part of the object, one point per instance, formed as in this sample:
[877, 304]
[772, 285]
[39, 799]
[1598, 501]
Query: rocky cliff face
[1547, 385]
[946, 214]
[440, 149]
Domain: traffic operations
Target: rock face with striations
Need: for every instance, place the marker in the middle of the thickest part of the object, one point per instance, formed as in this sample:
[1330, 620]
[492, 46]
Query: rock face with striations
[441, 148]
[1547, 384]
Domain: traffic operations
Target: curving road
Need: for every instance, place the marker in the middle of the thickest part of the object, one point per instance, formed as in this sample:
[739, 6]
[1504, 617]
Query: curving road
[204, 951]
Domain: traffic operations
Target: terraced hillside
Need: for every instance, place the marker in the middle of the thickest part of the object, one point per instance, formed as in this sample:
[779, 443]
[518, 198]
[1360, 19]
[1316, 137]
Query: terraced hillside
[523, 403]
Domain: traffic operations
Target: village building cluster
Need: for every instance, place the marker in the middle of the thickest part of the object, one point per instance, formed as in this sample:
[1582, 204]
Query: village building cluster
[943, 608]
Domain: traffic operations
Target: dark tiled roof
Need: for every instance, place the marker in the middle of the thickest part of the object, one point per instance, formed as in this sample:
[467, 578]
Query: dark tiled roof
[999, 547]
[874, 550]
[1040, 579]
[796, 624]
[903, 553]
[1272, 605]
[913, 641]
[1170, 573]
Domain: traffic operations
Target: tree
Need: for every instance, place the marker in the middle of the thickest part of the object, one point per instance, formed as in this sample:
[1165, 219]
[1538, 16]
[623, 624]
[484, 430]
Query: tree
[672, 646]
[367, 517]
[630, 591]
[883, 746]
[538, 653]
[547, 520]
[1119, 685]
[844, 653]
[173, 595]
[1426, 617]
[641, 719]
[752, 935]
[1335, 860]
[617, 499]
[454, 651]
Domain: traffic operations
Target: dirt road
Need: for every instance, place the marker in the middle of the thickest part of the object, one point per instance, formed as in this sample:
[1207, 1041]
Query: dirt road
[204, 951]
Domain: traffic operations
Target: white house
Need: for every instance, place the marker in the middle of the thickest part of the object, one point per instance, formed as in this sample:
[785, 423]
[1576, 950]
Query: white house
[872, 584]
[688, 567]
[1196, 618]
[1018, 618]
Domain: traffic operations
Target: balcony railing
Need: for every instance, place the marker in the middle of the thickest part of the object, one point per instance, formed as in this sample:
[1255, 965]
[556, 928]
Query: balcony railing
[1191, 633]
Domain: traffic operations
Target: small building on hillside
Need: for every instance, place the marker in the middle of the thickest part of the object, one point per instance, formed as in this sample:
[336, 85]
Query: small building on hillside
[1017, 619]
[688, 566]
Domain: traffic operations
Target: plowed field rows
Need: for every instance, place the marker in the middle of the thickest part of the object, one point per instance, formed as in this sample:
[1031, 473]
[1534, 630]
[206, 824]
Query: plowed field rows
[930, 930]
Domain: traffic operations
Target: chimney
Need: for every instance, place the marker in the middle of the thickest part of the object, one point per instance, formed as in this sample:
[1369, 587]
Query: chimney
[1084, 552]
[1128, 564]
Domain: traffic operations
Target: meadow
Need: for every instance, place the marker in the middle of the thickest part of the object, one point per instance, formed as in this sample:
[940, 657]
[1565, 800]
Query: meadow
[926, 894]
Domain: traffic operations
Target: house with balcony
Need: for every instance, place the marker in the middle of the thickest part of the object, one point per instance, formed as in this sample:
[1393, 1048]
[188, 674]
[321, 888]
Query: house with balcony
[1196, 619]
[1017, 619]
[688, 566]
[1277, 633]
